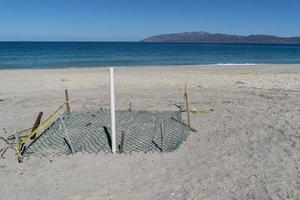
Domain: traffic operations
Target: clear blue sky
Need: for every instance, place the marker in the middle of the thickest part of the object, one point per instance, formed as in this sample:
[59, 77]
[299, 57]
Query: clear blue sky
[130, 20]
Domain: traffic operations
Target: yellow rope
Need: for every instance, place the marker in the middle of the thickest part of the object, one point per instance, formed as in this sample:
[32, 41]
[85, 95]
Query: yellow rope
[44, 124]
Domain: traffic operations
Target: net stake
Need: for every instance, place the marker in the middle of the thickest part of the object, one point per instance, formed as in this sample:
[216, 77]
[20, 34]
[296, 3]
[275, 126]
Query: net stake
[162, 137]
[36, 124]
[187, 106]
[67, 101]
[122, 142]
[130, 107]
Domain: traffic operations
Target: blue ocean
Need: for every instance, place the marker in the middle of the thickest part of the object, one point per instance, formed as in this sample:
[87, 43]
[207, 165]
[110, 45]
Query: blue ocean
[16, 55]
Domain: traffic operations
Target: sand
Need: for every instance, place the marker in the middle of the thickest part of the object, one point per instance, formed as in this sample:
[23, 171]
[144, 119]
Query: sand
[247, 148]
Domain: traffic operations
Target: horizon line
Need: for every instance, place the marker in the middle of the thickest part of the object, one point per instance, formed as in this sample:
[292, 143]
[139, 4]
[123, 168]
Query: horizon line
[140, 41]
[68, 41]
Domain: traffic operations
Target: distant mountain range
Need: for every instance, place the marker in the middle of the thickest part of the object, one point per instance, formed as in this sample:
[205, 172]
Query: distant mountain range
[205, 37]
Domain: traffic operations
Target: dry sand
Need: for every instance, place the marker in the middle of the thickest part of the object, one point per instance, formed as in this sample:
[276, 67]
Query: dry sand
[248, 148]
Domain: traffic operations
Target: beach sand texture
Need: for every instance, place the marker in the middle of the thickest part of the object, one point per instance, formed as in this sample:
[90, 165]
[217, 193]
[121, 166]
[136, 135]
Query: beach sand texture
[247, 148]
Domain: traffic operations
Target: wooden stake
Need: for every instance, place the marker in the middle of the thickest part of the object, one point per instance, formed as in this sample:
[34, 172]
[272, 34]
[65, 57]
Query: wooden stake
[162, 137]
[187, 106]
[130, 107]
[122, 142]
[36, 124]
[67, 101]
[184, 100]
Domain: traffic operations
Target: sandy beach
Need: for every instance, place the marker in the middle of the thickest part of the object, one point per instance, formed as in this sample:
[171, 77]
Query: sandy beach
[247, 148]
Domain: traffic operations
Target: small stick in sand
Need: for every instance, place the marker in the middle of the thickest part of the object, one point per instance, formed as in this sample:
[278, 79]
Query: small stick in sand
[191, 129]
[187, 106]
[19, 156]
[130, 107]
[67, 101]
[162, 137]
[5, 140]
[122, 142]
[19, 133]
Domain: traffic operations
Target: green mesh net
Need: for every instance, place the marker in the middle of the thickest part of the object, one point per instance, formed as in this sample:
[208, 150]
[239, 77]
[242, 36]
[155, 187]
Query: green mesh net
[89, 131]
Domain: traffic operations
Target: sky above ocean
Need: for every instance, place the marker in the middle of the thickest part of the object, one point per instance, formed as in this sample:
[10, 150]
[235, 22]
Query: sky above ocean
[132, 20]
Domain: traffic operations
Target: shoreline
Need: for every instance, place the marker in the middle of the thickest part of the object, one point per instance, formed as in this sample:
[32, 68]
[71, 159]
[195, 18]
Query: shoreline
[200, 66]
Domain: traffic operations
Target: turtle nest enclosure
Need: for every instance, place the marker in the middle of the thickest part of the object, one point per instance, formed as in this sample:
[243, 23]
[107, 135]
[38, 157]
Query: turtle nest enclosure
[89, 130]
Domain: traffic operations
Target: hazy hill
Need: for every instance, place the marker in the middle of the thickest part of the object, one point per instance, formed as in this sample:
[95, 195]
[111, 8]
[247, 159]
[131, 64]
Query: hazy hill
[205, 37]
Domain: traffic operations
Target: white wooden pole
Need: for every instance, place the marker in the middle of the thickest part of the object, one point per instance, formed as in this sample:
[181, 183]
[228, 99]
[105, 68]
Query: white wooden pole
[112, 109]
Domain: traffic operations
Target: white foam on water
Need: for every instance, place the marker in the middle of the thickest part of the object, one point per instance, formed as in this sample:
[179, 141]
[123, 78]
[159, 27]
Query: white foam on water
[239, 64]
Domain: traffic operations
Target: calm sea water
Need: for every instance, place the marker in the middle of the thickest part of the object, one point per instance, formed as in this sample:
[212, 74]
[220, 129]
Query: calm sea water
[92, 54]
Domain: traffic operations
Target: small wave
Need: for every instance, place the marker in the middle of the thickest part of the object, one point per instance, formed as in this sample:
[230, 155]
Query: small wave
[235, 64]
